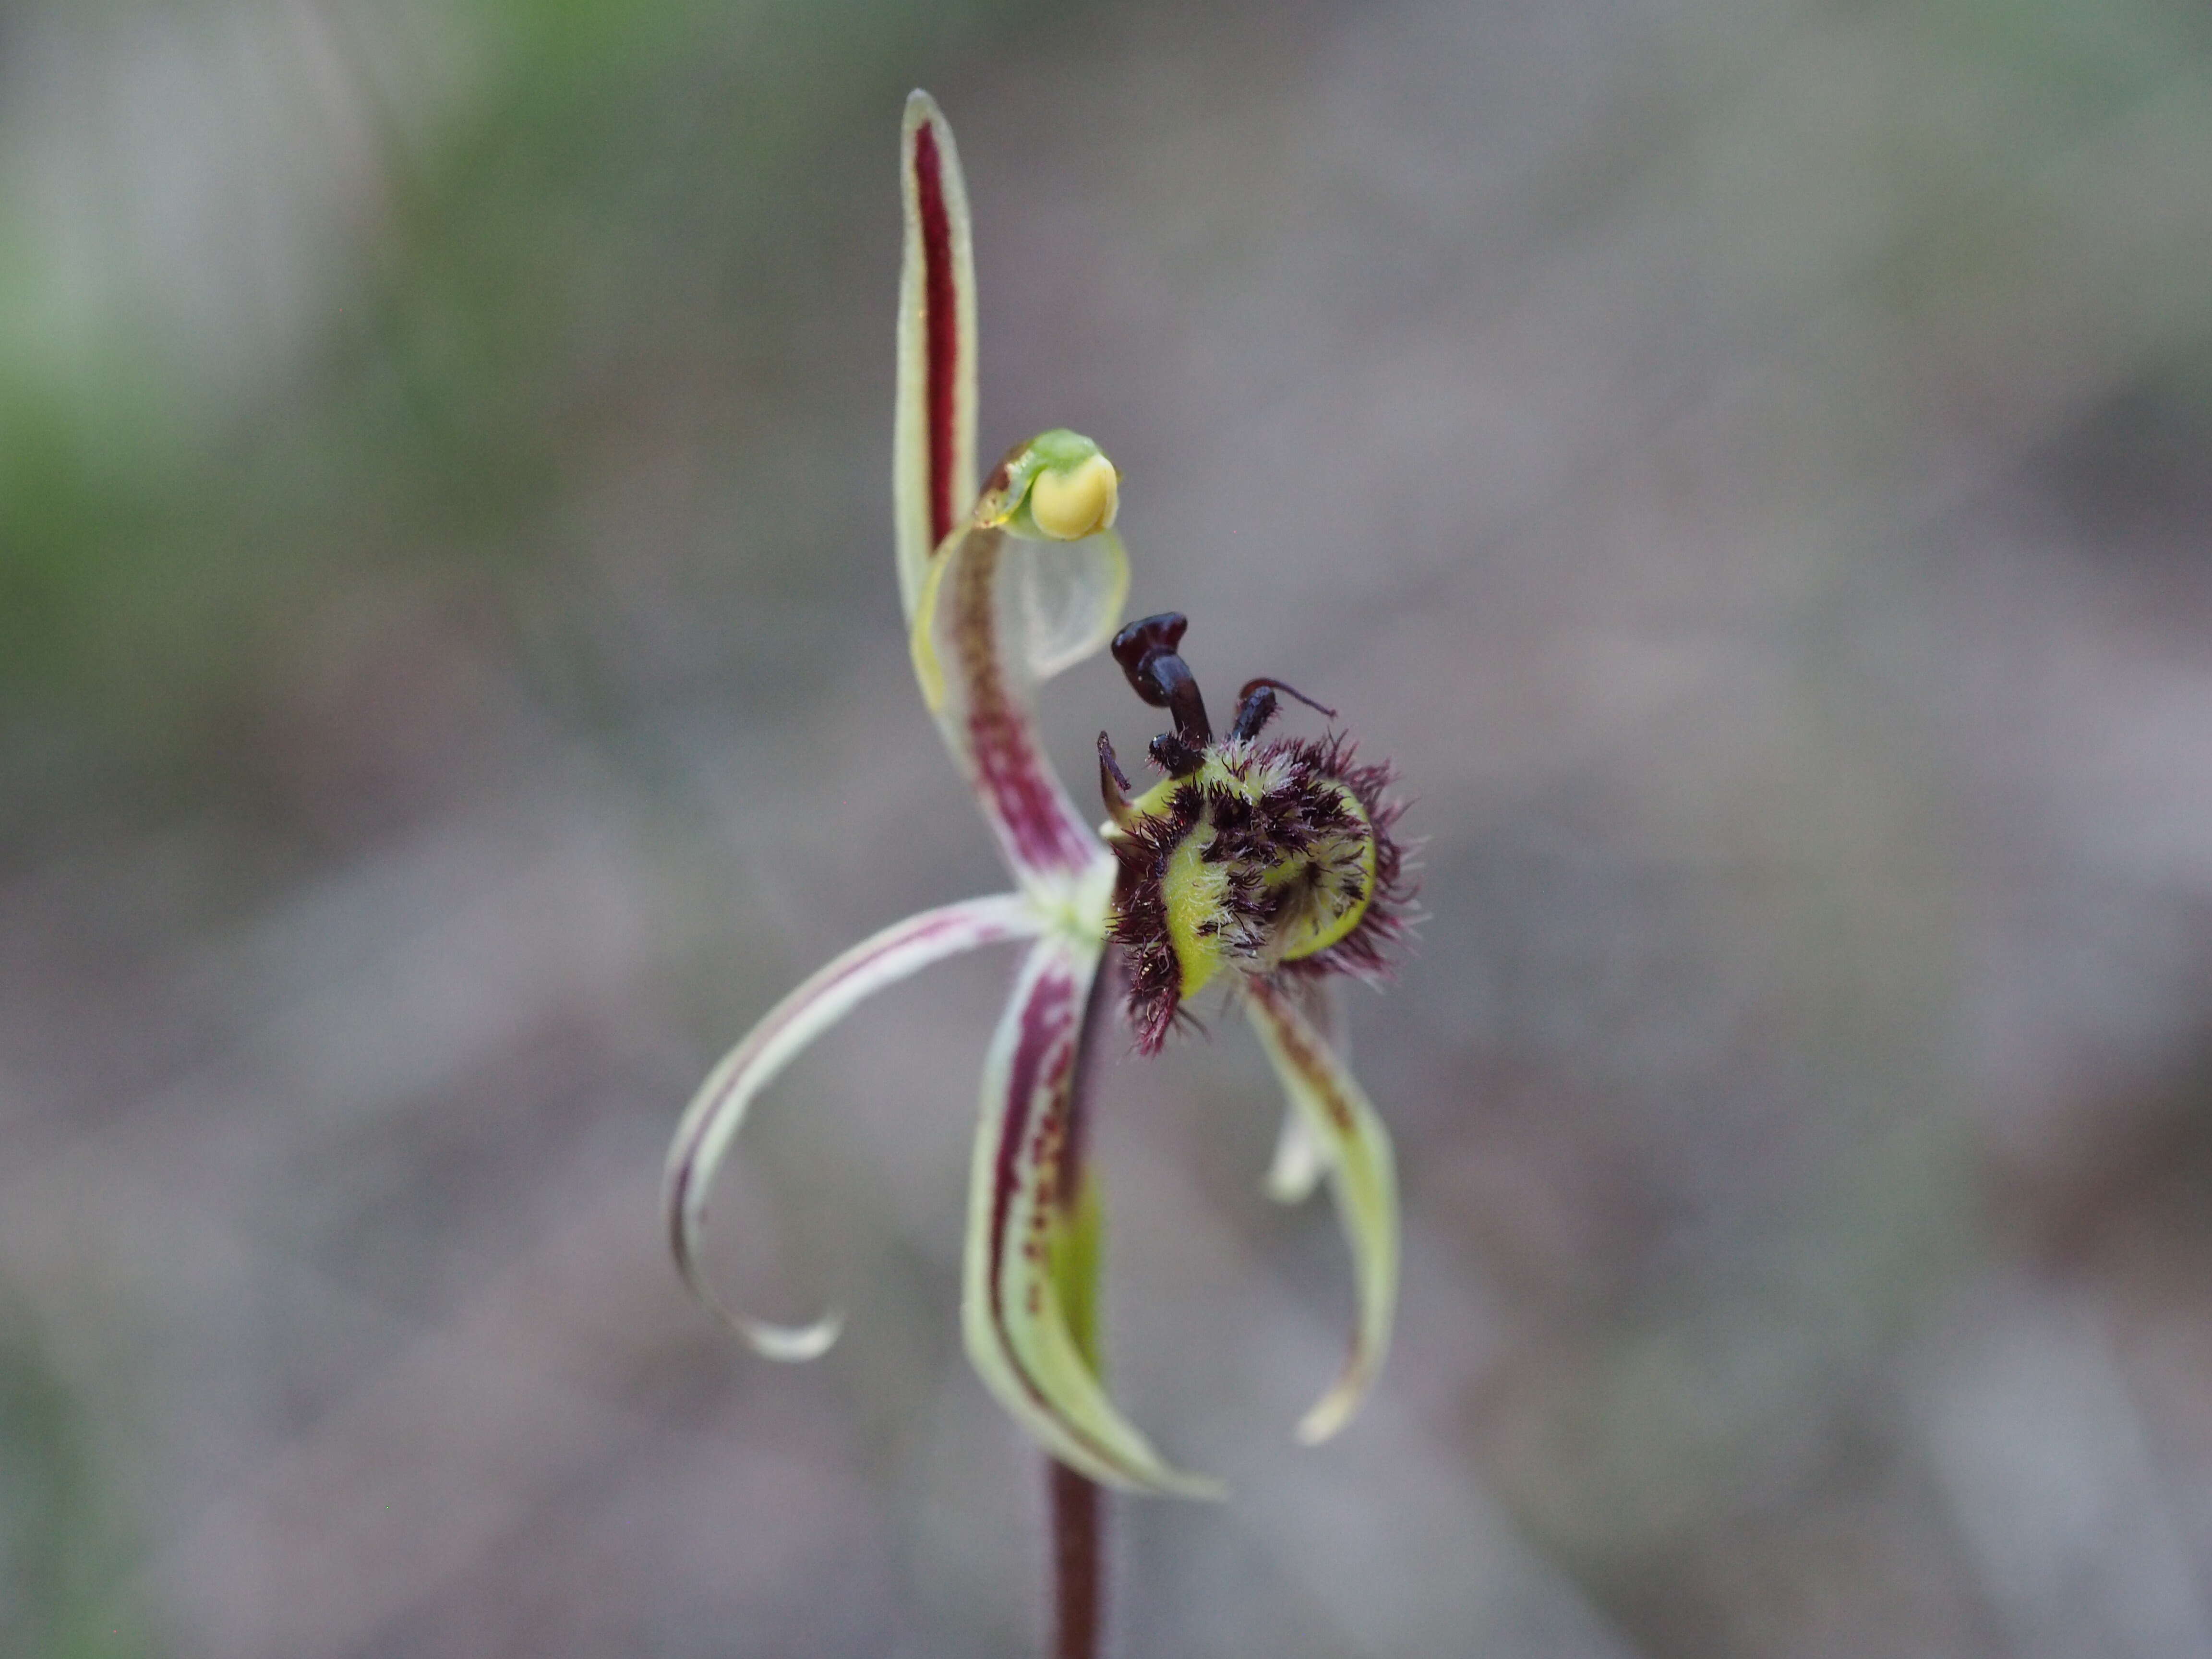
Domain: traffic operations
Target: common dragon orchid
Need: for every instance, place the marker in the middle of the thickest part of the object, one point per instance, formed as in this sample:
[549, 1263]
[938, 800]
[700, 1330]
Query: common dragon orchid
[1266, 865]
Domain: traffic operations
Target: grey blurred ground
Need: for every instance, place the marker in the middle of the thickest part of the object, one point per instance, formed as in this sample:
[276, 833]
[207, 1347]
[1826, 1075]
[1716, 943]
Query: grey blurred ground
[1751, 464]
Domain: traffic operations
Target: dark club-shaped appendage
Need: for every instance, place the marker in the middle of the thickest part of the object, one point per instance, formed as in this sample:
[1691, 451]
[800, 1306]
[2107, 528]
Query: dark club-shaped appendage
[1254, 710]
[1146, 651]
[1255, 707]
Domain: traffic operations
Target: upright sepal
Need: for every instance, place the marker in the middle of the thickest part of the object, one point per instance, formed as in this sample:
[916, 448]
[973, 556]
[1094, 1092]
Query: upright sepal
[710, 1123]
[1354, 1150]
[1030, 1257]
[933, 431]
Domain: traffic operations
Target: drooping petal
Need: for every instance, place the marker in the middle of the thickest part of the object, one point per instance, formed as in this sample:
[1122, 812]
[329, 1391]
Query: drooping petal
[1300, 1158]
[710, 1123]
[1299, 1162]
[933, 434]
[1031, 1240]
[996, 613]
[1362, 1178]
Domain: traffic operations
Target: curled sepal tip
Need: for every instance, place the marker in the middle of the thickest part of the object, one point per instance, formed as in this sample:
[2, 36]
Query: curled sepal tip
[1030, 1257]
[1354, 1150]
[709, 1124]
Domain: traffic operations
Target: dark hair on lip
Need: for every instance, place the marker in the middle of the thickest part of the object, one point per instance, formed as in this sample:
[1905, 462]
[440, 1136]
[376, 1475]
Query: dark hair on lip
[1303, 808]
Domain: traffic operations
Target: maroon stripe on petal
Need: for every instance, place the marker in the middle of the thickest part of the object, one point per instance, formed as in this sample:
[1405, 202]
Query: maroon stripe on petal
[679, 1200]
[1043, 1063]
[1044, 1049]
[1020, 791]
[1310, 1065]
[1104, 980]
[941, 330]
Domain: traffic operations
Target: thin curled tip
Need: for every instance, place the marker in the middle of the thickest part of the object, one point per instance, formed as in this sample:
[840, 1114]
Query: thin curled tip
[794, 1344]
[1335, 1410]
[1199, 1488]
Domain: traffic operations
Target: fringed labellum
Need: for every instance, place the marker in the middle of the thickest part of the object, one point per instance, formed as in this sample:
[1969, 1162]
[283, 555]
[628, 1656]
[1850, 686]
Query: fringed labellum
[1251, 856]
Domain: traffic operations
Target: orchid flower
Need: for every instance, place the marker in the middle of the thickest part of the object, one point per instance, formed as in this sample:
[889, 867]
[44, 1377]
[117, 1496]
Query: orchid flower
[1265, 865]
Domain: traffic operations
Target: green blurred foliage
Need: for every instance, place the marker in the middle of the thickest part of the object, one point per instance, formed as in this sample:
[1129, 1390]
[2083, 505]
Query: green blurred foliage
[621, 181]
[63, 1556]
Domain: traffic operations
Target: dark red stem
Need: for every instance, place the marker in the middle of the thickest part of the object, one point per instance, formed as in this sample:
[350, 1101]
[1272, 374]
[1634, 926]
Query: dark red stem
[1078, 1505]
[1078, 1562]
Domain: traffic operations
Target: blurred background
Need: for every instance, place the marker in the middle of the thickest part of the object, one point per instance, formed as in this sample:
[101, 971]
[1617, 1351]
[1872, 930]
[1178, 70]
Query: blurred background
[1751, 464]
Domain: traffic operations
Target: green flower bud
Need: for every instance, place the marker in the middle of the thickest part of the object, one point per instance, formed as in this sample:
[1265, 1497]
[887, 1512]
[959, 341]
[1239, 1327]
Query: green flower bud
[1058, 487]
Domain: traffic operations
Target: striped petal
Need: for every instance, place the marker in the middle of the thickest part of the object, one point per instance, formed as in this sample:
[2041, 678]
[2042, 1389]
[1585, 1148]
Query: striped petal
[1356, 1155]
[1026, 1305]
[933, 433]
[710, 1123]
[998, 613]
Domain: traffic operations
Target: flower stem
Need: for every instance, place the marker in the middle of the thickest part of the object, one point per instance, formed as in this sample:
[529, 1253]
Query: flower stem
[1078, 1562]
[1077, 1503]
